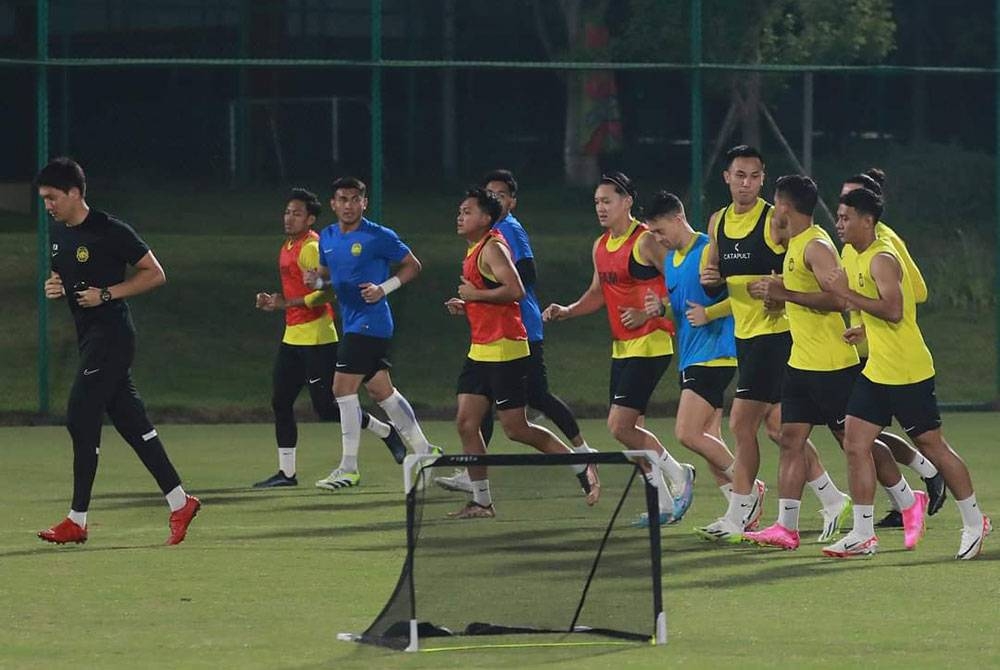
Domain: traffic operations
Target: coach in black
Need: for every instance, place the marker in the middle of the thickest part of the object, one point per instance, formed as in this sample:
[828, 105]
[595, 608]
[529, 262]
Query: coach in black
[90, 250]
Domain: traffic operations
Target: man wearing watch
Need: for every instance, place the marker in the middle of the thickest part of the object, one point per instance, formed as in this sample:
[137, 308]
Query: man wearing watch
[90, 251]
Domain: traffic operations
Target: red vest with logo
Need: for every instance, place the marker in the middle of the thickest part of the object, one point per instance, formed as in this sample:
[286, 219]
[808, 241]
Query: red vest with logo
[293, 286]
[490, 321]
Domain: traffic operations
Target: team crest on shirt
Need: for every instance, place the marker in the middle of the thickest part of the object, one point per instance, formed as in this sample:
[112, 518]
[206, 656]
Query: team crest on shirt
[791, 264]
[861, 279]
[356, 249]
[82, 254]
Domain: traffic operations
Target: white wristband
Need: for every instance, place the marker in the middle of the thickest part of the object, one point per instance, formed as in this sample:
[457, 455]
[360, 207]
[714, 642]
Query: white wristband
[390, 285]
[319, 284]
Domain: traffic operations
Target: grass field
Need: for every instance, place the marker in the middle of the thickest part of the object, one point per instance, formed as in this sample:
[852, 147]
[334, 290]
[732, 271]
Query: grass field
[267, 578]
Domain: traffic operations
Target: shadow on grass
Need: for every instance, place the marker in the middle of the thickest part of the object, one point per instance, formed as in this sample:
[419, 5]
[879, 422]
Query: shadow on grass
[51, 550]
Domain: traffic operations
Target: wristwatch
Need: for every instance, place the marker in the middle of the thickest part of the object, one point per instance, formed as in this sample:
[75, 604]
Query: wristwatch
[105, 295]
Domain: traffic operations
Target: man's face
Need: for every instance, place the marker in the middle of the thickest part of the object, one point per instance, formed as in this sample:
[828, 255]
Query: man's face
[297, 218]
[745, 177]
[59, 204]
[664, 228]
[471, 221]
[507, 200]
[610, 205]
[782, 208]
[348, 205]
[852, 225]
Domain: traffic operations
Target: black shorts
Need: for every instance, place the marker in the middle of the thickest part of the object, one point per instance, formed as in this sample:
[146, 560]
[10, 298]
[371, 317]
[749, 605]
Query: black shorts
[817, 398]
[633, 380]
[913, 405]
[538, 376]
[503, 382]
[761, 362]
[362, 355]
[708, 381]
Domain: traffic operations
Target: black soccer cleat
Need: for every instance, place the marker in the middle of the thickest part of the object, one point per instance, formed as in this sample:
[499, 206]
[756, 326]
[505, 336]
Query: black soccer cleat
[276, 480]
[395, 444]
[936, 493]
[893, 519]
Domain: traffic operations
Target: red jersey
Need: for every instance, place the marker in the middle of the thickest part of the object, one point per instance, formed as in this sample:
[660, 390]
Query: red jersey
[293, 286]
[489, 321]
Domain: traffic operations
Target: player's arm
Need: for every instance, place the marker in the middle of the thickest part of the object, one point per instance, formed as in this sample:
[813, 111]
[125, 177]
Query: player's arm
[912, 271]
[407, 271]
[54, 288]
[888, 274]
[651, 251]
[588, 303]
[497, 262]
[820, 259]
[710, 277]
[527, 271]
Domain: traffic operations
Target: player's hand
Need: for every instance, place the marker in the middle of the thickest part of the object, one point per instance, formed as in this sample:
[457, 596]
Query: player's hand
[371, 293]
[696, 314]
[89, 297]
[768, 289]
[772, 305]
[263, 301]
[836, 282]
[631, 317]
[710, 276]
[651, 303]
[455, 306]
[854, 335]
[466, 290]
[313, 279]
[555, 312]
[54, 288]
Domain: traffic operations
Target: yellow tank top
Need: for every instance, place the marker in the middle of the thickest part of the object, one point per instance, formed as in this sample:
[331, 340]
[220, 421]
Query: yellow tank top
[897, 352]
[817, 337]
[749, 315]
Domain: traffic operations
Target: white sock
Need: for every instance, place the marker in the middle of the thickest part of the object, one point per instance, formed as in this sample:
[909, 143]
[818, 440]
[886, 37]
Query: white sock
[481, 492]
[401, 414]
[972, 516]
[739, 508]
[922, 466]
[827, 492]
[79, 518]
[584, 449]
[176, 498]
[728, 472]
[788, 513]
[901, 494]
[663, 496]
[727, 491]
[379, 428]
[675, 473]
[864, 523]
[286, 461]
[350, 431]
[892, 500]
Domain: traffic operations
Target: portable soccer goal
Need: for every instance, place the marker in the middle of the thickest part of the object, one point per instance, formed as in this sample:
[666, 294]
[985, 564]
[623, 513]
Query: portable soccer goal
[546, 570]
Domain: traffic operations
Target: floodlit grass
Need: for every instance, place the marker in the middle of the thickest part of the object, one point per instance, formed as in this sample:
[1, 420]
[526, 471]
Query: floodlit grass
[267, 578]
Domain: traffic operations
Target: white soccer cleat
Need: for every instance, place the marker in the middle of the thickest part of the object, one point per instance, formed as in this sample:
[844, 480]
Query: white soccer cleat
[972, 540]
[721, 530]
[458, 481]
[834, 518]
[339, 479]
[852, 545]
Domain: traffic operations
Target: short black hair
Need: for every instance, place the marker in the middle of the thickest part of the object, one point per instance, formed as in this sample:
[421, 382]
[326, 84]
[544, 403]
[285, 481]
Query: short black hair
[309, 198]
[743, 151]
[864, 201]
[664, 203]
[501, 175]
[864, 180]
[487, 201]
[351, 183]
[623, 185]
[799, 190]
[62, 173]
[878, 174]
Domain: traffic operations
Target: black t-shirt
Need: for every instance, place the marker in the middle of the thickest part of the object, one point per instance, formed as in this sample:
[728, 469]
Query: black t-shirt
[95, 254]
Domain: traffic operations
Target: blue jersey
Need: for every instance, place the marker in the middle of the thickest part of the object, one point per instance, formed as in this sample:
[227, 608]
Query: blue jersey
[359, 257]
[520, 247]
[696, 344]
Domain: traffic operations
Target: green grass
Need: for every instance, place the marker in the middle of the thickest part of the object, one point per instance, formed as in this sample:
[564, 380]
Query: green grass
[266, 579]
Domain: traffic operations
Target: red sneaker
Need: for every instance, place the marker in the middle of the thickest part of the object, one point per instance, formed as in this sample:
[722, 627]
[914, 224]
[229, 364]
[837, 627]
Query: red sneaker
[181, 519]
[66, 531]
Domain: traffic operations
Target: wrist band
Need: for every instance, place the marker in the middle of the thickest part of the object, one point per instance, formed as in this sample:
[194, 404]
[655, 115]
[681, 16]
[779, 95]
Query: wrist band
[390, 285]
[319, 283]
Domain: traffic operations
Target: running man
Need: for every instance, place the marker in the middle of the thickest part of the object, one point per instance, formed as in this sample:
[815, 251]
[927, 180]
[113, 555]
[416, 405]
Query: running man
[627, 263]
[308, 351]
[497, 363]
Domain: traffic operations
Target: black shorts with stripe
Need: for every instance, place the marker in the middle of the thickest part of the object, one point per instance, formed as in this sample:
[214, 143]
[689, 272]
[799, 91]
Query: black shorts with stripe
[708, 381]
[914, 405]
[761, 362]
[634, 379]
[817, 397]
[503, 382]
[362, 355]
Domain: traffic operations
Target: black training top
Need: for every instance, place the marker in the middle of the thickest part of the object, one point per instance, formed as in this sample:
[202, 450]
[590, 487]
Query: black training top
[94, 254]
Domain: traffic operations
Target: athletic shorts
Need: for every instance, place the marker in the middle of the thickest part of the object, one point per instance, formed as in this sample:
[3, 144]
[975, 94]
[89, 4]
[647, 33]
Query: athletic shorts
[761, 363]
[633, 380]
[538, 376]
[817, 397]
[503, 382]
[913, 405]
[362, 355]
[708, 381]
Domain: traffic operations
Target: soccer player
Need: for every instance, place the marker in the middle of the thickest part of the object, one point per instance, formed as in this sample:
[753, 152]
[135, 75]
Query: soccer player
[627, 262]
[897, 380]
[744, 246]
[873, 179]
[497, 363]
[707, 351]
[821, 368]
[355, 256]
[502, 184]
[308, 350]
[90, 251]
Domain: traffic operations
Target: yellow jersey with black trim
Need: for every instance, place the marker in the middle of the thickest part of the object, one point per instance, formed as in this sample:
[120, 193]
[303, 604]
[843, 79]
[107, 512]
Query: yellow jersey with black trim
[817, 336]
[312, 323]
[747, 252]
[897, 353]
